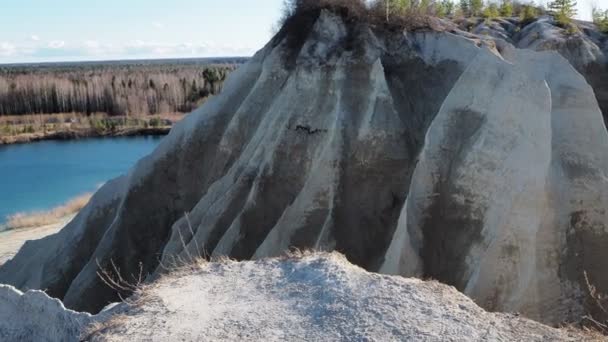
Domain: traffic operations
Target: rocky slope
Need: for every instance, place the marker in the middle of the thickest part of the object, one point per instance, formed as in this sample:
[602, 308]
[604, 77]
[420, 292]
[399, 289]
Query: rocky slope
[316, 297]
[431, 153]
[586, 48]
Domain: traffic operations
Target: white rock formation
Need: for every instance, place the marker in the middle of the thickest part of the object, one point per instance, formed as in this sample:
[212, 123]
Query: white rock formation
[586, 48]
[313, 298]
[499, 182]
[319, 140]
[36, 317]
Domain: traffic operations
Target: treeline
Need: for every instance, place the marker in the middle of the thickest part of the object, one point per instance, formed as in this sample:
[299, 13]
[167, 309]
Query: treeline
[414, 13]
[115, 89]
[600, 18]
[464, 8]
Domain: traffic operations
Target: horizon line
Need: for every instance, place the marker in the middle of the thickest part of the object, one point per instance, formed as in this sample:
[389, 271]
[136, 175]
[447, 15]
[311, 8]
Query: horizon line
[110, 60]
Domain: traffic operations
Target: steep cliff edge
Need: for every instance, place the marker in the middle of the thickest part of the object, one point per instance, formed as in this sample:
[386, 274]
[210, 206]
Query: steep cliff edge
[426, 153]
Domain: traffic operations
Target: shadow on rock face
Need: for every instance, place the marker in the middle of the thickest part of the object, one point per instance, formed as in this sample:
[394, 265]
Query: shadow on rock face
[452, 227]
[597, 76]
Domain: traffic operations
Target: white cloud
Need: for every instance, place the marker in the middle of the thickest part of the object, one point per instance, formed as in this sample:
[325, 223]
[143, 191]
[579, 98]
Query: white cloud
[93, 47]
[7, 49]
[136, 43]
[158, 25]
[35, 38]
[92, 44]
[56, 44]
[30, 50]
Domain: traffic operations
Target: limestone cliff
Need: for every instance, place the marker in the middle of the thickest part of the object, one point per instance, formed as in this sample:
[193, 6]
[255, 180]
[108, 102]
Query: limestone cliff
[426, 152]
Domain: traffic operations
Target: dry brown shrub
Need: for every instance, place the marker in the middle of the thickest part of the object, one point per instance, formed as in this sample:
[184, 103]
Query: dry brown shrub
[599, 301]
[44, 218]
[96, 330]
[373, 12]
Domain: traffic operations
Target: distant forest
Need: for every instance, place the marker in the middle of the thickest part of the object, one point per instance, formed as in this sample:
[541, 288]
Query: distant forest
[132, 88]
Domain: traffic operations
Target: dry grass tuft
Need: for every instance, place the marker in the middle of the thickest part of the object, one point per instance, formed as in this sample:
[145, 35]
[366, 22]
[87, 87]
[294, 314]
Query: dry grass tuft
[131, 288]
[599, 320]
[96, 330]
[297, 253]
[350, 8]
[589, 332]
[44, 218]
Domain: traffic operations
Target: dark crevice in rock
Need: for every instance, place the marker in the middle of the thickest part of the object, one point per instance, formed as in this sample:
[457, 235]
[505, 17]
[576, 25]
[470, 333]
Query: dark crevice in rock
[273, 190]
[308, 130]
[418, 90]
[597, 76]
[294, 34]
[363, 225]
[586, 245]
[449, 234]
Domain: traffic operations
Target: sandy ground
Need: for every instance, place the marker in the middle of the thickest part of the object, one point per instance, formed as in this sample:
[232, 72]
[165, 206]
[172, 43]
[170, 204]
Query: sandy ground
[12, 240]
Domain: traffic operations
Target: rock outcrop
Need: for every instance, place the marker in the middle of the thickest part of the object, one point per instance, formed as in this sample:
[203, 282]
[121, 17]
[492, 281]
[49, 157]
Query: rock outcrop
[318, 297]
[426, 153]
[34, 316]
[298, 298]
[586, 48]
[502, 189]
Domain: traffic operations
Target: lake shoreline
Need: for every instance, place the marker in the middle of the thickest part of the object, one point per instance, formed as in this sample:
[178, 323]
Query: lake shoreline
[83, 134]
[44, 175]
[21, 129]
[13, 239]
[39, 218]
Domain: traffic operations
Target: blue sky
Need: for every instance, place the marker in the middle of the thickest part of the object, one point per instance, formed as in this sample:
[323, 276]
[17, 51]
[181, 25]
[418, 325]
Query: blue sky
[59, 30]
[66, 30]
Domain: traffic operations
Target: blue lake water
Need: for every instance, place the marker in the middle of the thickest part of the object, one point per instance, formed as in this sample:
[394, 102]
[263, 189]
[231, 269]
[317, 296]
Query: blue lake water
[43, 175]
